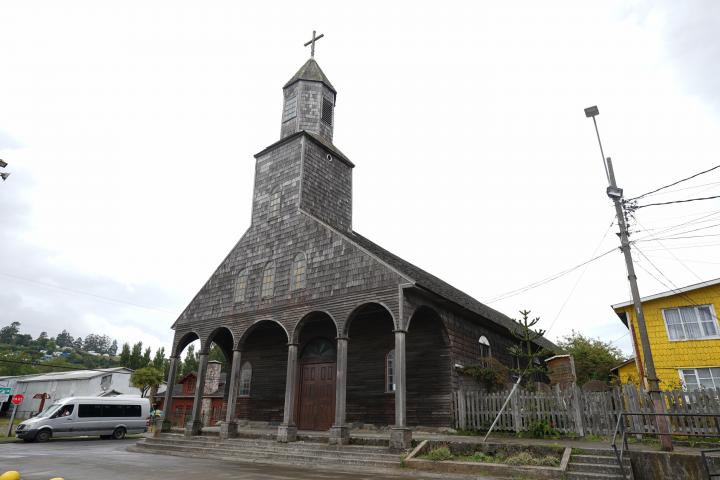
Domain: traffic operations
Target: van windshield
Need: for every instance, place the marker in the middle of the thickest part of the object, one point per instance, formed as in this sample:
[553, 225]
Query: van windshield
[48, 412]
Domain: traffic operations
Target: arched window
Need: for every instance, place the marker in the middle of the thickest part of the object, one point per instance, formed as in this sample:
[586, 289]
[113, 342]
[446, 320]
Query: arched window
[241, 286]
[390, 371]
[245, 379]
[298, 272]
[484, 347]
[268, 281]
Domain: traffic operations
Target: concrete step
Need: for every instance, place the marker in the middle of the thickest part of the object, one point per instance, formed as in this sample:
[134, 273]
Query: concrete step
[343, 452]
[262, 457]
[592, 476]
[271, 445]
[594, 468]
[583, 458]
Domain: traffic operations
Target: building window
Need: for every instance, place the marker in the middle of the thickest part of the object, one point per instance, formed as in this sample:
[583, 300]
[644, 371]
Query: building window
[274, 205]
[298, 272]
[390, 371]
[700, 378]
[327, 111]
[240, 286]
[190, 385]
[268, 281]
[690, 323]
[484, 347]
[245, 378]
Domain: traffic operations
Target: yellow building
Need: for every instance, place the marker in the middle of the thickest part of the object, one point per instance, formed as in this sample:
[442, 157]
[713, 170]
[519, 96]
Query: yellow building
[684, 336]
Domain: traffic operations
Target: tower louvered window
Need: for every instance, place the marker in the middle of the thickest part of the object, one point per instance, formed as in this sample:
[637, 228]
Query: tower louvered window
[327, 111]
[268, 281]
[298, 272]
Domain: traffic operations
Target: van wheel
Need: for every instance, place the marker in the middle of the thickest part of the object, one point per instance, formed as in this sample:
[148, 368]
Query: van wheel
[43, 436]
[119, 433]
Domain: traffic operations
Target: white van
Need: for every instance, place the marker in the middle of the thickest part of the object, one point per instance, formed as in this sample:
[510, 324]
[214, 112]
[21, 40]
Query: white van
[108, 417]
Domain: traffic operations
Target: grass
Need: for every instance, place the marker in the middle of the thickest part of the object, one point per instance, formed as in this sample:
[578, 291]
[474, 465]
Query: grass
[442, 453]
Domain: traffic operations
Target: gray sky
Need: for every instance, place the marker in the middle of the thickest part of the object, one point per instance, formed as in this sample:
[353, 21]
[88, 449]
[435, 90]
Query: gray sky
[130, 128]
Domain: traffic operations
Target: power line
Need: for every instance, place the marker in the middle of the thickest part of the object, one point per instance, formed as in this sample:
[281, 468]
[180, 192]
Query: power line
[671, 253]
[675, 290]
[580, 277]
[549, 279]
[636, 207]
[37, 364]
[674, 183]
[80, 292]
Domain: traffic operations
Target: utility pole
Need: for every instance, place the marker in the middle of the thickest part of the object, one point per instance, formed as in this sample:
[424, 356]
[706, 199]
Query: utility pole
[616, 195]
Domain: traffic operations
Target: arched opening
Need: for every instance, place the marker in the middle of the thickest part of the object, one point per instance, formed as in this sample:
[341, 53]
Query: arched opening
[182, 387]
[219, 346]
[428, 370]
[264, 348]
[316, 335]
[370, 340]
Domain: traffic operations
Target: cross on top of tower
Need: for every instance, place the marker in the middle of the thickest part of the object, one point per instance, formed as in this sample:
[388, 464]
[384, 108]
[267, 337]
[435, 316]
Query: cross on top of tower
[312, 43]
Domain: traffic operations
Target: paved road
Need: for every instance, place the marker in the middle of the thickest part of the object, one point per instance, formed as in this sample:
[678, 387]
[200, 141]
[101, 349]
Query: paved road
[86, 459]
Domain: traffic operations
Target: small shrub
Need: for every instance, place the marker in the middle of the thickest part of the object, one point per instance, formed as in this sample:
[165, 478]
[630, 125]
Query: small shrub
[541, 429]
[491, 374]
[439, 454]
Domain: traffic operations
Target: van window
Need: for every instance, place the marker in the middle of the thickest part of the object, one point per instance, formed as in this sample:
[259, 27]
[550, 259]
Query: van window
[109, 410]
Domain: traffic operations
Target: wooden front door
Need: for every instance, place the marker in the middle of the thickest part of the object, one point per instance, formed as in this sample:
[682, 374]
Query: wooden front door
[316, 409]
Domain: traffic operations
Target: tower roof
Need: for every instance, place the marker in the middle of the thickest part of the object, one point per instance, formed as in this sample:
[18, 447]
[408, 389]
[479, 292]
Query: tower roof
[311, 72]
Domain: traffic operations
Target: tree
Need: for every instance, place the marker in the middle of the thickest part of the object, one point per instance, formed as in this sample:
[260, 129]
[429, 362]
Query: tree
[113, 348]
[64, 339]
[191, 361]
[78, 343]
[527, 354]
[146, 357]
[7, 334]
[125, 355]
[218, 355]
[160, 362]
[147, 379]
[593, 357]
[42, 340]
[136, 356]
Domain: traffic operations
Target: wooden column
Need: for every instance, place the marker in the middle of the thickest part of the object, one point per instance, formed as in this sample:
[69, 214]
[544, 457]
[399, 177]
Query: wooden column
[400, 435]
[229, 428]
[287, 431]
[194, 426]
[339, 432]
[164, 424]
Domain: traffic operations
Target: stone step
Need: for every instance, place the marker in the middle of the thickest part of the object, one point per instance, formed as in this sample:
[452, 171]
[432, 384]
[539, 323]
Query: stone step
[592, 476]
[583, 458]
[262, 457]
[282, 450]
[269, 445]
[594, 467]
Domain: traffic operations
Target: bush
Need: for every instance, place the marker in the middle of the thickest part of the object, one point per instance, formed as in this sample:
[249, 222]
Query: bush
[438, 454]
[541, 429]
[491, 374]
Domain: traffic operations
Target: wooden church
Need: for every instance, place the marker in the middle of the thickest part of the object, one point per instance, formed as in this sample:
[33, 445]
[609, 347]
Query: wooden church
[321, 327]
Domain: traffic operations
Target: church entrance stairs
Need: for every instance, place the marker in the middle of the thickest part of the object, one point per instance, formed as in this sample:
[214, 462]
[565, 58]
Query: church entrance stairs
[261, 450]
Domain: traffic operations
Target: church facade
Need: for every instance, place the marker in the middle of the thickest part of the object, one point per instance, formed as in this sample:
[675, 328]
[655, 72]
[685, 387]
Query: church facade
[321, 327]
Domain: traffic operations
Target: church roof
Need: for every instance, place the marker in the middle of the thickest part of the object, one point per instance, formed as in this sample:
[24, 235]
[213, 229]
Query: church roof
[441, 288]
[311, 72]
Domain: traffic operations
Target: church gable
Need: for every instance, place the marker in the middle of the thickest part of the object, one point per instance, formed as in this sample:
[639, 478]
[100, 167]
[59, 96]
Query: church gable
[334, 266]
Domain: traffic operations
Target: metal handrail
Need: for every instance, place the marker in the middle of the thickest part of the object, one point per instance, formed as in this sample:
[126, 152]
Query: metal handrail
[620, 426]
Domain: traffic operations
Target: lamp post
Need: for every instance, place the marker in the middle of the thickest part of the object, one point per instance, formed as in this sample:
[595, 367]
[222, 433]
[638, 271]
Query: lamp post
[616, 195]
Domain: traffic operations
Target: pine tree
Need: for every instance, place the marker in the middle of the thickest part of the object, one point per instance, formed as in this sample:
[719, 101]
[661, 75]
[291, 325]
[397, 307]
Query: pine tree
[136, 357]
[113, 348]
[146, 358]
[191, 361]
[527, 354]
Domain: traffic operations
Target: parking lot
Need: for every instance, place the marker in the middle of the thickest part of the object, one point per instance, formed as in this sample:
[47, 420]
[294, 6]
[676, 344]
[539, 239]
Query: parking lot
[85, 459]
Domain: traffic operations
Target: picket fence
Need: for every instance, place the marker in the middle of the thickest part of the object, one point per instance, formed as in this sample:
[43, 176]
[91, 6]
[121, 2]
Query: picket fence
[572, 411]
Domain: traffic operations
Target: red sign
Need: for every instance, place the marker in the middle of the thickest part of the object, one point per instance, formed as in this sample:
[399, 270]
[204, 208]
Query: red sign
[18, 399]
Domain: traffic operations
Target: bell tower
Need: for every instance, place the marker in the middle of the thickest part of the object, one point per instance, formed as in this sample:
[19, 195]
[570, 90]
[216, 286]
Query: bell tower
[309, 100]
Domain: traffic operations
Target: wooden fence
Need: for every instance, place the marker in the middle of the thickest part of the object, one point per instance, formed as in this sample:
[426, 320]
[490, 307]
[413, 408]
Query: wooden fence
[572, 411]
